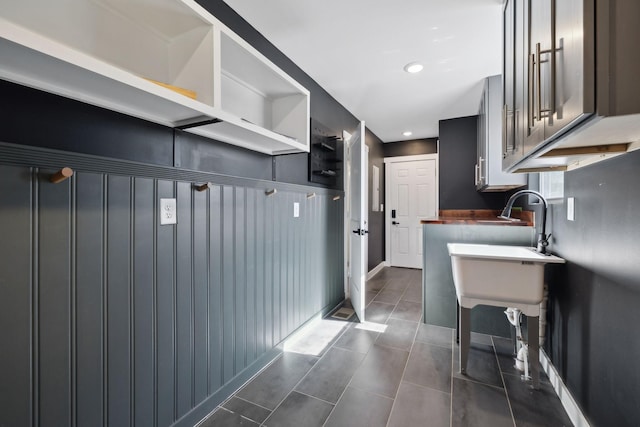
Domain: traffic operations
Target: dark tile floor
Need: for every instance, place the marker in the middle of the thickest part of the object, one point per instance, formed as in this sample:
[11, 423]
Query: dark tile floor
[390, 371]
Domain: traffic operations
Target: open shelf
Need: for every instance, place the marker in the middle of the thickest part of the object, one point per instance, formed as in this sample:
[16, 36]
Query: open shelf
[104, 52]
[92, 58]
[261, 107]
[325, 155]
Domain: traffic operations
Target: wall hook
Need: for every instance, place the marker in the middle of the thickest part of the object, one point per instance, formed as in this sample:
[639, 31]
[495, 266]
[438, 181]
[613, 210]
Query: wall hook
[336, 197]
[61, 175]
[203, 187]
[271, 192]
[311, 195]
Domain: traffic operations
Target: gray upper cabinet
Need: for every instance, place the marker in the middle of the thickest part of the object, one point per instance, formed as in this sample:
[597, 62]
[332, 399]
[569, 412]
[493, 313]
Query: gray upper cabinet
[574, 100]
[489, 174]
[513, 112]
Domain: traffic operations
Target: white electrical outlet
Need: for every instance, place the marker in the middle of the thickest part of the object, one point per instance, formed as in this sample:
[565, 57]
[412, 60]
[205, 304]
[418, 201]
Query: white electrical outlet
[168, 212]
[296, 209]
[571, 209]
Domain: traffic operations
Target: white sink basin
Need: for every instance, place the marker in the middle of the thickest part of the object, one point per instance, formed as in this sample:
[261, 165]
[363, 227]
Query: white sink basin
[503, 276]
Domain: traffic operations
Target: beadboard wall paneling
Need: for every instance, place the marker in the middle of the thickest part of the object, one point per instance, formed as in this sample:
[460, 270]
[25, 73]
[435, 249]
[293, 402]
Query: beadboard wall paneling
[110, 319]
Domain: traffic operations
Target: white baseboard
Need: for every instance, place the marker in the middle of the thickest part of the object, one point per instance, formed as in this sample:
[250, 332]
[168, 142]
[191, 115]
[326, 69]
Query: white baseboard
[377, 269]
[568, 402]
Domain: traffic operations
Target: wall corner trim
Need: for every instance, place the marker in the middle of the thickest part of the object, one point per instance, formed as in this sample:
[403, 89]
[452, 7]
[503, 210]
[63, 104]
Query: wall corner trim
[568, 402]
[377, 269]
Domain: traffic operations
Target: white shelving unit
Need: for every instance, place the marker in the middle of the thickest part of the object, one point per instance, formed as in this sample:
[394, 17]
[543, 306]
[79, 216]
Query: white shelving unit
[103, 52]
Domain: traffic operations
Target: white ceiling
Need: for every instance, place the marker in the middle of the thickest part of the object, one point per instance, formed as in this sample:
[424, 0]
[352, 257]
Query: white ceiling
[356, 50]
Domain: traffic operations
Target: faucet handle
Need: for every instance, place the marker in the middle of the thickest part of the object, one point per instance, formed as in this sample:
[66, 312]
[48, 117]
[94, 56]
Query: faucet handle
[543, 242]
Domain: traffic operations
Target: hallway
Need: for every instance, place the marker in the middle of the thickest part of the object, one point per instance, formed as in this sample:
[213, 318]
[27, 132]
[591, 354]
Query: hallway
[391, 371]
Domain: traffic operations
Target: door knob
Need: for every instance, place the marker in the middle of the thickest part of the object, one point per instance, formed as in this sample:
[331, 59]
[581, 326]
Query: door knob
[395, 223]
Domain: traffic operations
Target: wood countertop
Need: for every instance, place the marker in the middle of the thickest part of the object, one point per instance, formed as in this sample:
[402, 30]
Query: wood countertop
[480, 217]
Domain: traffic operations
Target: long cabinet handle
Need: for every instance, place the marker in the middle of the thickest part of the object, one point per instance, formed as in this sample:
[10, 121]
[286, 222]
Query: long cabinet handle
[530, 115]
[547, 112]
[538, 83]
[505, 137]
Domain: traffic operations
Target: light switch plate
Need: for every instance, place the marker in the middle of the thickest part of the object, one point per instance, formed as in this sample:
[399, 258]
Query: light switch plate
[168, 212]
[571, 209]
[296, 209]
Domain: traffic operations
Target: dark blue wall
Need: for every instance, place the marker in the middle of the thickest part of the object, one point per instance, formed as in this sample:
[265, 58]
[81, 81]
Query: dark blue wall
[457, 156]
[595, 299]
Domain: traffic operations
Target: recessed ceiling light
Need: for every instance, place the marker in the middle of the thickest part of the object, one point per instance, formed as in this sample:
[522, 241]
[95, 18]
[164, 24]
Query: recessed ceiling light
[413, 67]
[407, 133]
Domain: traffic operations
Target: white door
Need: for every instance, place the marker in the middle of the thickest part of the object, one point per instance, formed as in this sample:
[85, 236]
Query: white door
[358, 217]
[412, 197]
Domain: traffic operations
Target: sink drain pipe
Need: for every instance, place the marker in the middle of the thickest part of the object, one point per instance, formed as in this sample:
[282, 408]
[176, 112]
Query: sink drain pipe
[514, 316]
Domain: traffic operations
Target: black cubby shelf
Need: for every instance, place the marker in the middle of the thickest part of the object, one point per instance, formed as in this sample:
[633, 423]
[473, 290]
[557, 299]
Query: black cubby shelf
[325, 155]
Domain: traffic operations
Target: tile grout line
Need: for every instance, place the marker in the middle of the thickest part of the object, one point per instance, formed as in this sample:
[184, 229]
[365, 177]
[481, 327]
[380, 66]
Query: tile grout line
[354, 372]
[313, 397]
[373, 393]
[246, 383]
[425, 387]
[305, 376]
[504, 384]
[403, 372]
[244, 400]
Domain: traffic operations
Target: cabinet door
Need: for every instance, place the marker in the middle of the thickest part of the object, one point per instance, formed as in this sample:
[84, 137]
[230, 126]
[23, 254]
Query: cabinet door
[515, 83]
[482, 140]
[573, 85]
[521, 110]
[539, 70]
[508, 79]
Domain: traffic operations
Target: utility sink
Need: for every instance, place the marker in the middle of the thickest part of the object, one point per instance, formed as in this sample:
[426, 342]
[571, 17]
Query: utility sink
[504, 276]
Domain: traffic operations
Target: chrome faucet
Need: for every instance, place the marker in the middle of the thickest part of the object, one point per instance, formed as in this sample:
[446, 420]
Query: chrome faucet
[543, 239]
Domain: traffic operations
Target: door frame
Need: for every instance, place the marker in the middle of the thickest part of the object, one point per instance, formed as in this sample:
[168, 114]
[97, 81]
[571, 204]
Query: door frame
[345, 186]
[387, 195]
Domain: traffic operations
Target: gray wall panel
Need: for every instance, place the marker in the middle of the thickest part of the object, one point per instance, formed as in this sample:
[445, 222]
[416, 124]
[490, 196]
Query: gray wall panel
[276, 264]
[89, 302]
[143, 302]
[228, 282]
[132, 323]
[54, 311]
[200, 296]
[118, 300]
[165, 314]
[288, 292]
[260, 279]
[314, 297]
[239, 272]
[184, 301]
[15, 289]
[269, 297]
[216, 379]
[250, 274]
